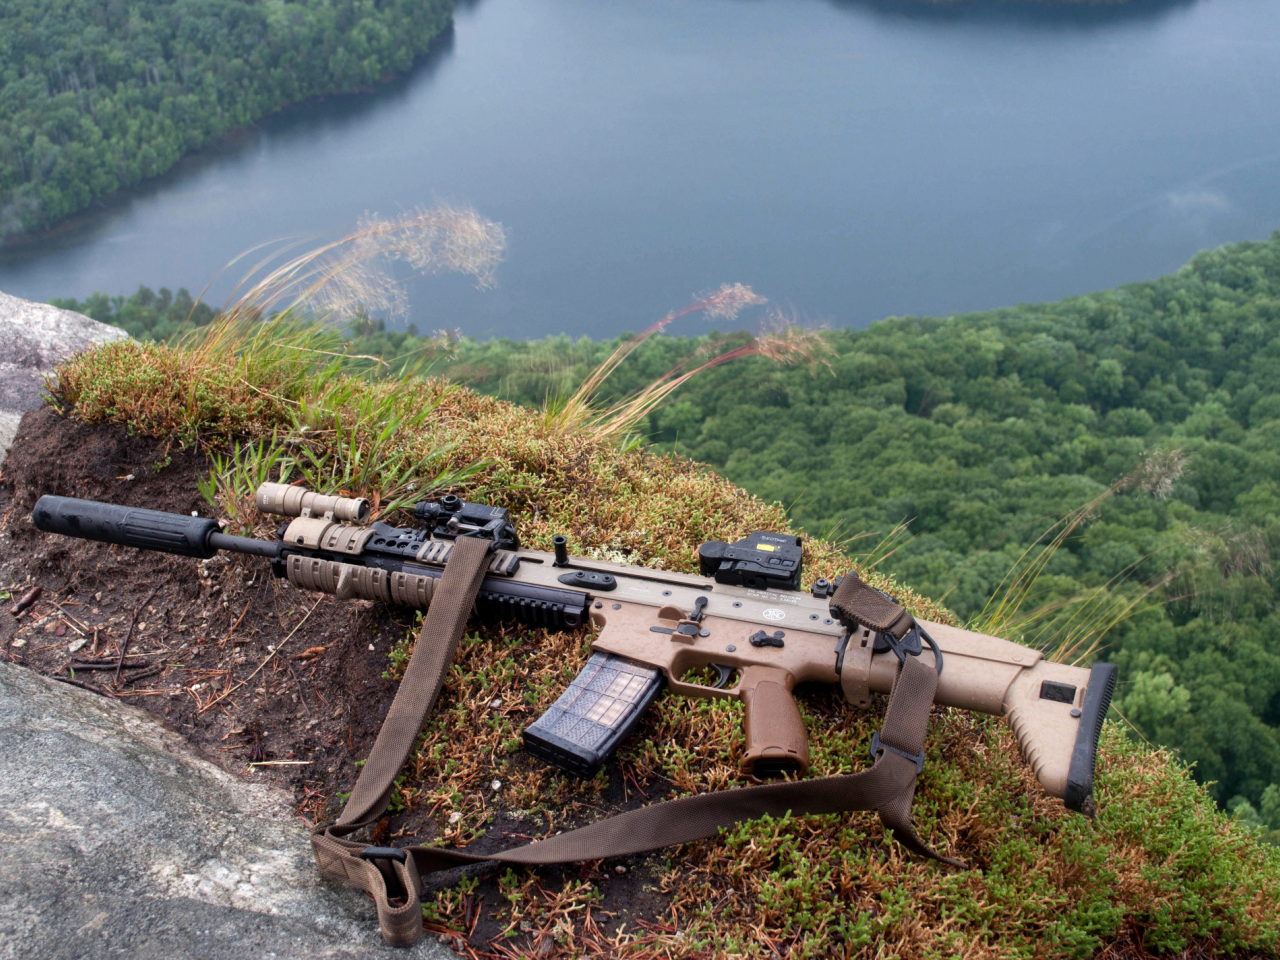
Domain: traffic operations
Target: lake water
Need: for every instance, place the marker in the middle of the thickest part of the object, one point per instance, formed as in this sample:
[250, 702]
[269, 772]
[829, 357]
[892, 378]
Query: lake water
[848, 160]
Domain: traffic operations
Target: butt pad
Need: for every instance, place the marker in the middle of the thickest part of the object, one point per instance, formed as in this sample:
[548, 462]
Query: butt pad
[1097, 699]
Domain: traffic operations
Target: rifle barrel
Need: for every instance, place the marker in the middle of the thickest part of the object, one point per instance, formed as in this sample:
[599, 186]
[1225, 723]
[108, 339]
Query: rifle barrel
[259, 548]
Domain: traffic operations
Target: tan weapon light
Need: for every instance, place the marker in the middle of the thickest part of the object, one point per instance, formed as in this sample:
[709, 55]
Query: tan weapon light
[288, 501]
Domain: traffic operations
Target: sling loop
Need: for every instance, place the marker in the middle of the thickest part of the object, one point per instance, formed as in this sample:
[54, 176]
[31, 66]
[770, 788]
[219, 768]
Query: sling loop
[856, 601]
[393, 877]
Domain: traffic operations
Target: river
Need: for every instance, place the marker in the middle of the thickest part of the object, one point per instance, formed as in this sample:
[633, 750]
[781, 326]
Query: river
[849, 160]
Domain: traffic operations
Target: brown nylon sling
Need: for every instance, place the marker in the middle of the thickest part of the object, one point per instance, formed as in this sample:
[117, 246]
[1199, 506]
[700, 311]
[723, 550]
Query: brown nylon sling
[396, 886]
[869, 607]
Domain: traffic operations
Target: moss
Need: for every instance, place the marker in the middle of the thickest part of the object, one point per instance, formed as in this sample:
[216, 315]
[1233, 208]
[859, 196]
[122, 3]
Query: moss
[1160, 869]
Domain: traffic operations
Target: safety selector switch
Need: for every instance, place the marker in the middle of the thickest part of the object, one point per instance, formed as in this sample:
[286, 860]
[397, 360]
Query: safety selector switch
[763, 561]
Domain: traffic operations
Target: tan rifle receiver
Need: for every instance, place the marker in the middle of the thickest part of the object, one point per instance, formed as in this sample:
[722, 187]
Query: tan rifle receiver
[741, 630]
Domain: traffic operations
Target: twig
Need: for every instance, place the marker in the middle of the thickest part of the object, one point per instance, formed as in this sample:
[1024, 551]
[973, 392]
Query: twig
[27, 599]
[281, 763]
[475, 917]
[270, 656]
[247, 605]
[124, 647]
[71, 622]
[628, 771]
[105, 666]
[79, 623]
[150, 672]
[298, 682]
[82, 685]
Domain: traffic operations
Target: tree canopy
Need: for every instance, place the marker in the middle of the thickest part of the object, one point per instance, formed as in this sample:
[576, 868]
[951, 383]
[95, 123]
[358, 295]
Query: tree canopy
[98, 95]
[146, 314]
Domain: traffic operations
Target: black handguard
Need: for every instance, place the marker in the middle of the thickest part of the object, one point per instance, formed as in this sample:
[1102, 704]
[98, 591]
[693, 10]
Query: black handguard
[582, 729]
[127, 526]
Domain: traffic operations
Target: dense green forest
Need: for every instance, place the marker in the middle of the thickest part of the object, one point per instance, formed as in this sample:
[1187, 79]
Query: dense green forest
[1155, 405]
[98, 95]
[984, 430]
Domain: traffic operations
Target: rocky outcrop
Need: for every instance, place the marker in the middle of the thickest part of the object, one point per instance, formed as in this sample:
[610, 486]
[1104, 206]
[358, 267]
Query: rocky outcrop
[117, 840]
[34, 337]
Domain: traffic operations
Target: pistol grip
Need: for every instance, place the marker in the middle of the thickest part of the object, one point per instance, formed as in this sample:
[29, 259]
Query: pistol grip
[776, 739]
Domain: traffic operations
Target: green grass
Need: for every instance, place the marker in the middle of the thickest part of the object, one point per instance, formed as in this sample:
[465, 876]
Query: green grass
[1160, 870]
[1161, 866]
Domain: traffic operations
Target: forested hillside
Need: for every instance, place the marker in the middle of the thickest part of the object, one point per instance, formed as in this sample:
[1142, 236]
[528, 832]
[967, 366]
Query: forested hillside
[97, 95]
[1158, 403]
[985, 430]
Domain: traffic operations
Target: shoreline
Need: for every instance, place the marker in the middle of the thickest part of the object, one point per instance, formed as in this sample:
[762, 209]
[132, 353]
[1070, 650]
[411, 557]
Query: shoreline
[230, 140]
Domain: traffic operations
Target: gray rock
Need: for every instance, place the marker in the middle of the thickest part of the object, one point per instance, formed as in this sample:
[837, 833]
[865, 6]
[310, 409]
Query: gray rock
[34, 337]
[116, 840]
[9, 420]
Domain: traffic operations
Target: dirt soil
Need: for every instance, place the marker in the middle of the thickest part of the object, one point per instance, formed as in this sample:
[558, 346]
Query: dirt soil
[240, 663]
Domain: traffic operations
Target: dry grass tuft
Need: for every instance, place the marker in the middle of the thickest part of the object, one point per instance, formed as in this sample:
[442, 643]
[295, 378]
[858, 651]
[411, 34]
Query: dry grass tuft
[577, 413]
[781, 341]
[357, 275]
[1157, 473]
[339, 281]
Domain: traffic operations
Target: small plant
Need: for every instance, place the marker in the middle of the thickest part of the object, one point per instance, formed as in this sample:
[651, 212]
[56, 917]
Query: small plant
[237, 473]
[379, 455]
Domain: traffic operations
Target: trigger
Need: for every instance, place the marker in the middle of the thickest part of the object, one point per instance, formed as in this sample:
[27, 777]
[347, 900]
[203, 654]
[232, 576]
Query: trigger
[724, 675]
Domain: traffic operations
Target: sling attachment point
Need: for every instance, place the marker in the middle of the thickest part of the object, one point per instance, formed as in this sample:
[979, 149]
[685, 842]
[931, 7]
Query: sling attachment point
[877, 746]
[384, 853]
[858, 604]
[901, 648]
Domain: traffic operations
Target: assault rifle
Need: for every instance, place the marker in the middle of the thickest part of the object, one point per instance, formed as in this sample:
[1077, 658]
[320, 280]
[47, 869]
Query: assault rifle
[745, 620]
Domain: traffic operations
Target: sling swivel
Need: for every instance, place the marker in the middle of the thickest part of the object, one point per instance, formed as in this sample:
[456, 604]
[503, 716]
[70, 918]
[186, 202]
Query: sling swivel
[383, 853]
[877, 746]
